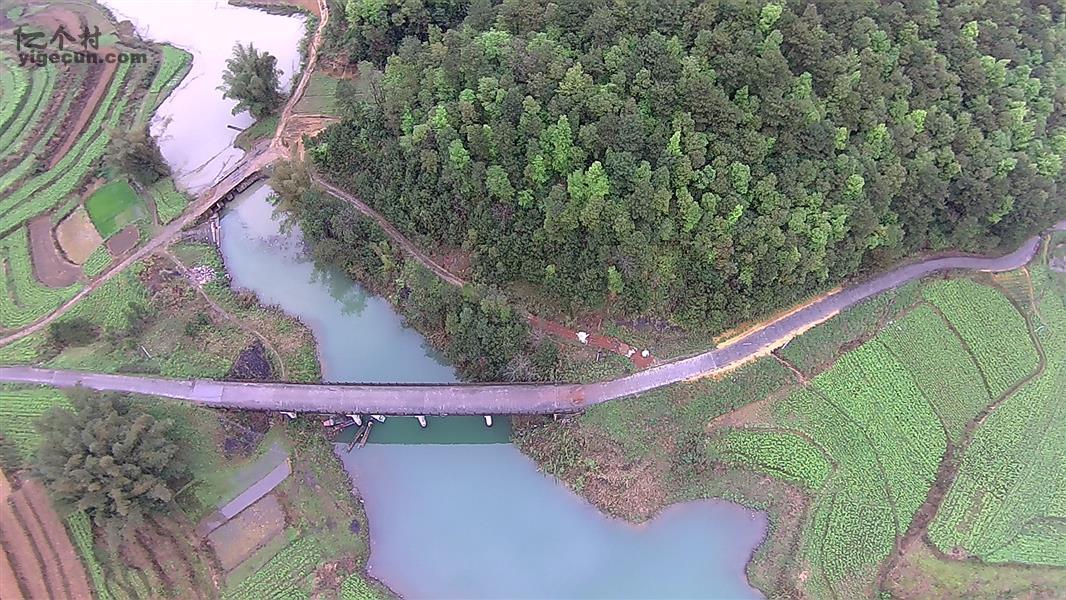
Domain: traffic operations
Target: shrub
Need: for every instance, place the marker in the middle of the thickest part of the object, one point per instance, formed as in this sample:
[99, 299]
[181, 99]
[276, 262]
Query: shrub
[72, 332]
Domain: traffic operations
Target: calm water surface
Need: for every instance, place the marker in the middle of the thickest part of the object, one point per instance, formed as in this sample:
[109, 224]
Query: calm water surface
[192, 124]
[454, 510]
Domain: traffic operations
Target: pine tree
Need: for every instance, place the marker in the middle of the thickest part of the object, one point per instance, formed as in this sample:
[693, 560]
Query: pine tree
[108, 458]
[136, 154]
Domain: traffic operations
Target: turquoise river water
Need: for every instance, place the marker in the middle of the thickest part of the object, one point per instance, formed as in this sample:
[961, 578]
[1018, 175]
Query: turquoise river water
[454, 510]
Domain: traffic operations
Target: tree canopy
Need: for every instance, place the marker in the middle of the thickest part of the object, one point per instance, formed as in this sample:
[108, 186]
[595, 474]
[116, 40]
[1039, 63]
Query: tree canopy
[376, 27]
[135, 153]
[251, 78]
[707, 160]
[109, 458]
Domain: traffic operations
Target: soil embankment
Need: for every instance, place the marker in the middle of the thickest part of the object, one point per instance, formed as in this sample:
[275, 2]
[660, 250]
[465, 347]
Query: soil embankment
[39, 560]
[49, 265]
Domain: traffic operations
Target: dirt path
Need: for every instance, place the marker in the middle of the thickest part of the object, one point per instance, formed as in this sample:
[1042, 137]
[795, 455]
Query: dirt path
[596, 340]
[392, 232]
[312, 58]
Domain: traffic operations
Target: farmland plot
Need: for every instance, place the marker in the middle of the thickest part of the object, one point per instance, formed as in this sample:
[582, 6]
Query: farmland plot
[20, 407]
[25, 299]
[1008, 502]
[941, 367]
[868, 443]
[990, 326]
[284, 577]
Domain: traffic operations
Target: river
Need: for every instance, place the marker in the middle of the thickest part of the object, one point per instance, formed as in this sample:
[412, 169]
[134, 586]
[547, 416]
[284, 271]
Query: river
[192, 123]
[454, 510]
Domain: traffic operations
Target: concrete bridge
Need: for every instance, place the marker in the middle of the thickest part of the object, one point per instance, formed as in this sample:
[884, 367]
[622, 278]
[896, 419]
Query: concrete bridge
[482, 399]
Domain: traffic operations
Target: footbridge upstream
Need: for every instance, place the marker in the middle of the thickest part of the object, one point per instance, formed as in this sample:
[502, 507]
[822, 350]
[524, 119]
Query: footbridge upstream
[501, 399]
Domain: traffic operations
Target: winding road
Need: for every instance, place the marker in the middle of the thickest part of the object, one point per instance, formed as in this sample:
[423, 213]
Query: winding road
[479, 399]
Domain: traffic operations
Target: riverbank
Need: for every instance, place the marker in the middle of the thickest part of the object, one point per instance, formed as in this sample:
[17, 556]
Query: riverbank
[475, 327]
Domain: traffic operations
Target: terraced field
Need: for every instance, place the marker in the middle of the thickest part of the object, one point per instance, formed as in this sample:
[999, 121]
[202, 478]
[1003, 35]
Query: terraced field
[39, 560]
[24, 297]
[950, 376]
[56, 124]
[1008, 502]
[19, 408]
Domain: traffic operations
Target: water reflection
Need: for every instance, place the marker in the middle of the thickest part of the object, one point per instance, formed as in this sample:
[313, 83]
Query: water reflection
[193, 124]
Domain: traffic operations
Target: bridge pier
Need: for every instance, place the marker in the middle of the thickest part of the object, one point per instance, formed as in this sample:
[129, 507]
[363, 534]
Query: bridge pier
[421, 421]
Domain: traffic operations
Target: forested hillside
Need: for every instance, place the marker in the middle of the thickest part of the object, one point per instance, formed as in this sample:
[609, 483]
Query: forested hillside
[705, 160]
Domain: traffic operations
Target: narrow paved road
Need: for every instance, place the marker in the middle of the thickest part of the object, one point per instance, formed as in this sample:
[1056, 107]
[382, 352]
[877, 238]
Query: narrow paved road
[476, 399]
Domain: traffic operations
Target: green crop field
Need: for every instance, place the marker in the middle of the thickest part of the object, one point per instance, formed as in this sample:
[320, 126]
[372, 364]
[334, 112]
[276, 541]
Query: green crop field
[14, 85]
[24, 299]
[284, 577]
[944, 371]
[98, 262]
[114, 206]
[1008, 503]
[783, 455]
[31, 156]
[169, 202]
[172, 70]
[991, 328]
[822, 344]
[13, 133]
[320, 97]
[871, 419]
[81, 532]
[19, 408]
[107, 305]
[867, 435]
[46, 190]
[356, 588]
[36, 111]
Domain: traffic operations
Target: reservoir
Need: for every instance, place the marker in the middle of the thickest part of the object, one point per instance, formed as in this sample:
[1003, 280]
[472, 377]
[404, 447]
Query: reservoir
[193, 123]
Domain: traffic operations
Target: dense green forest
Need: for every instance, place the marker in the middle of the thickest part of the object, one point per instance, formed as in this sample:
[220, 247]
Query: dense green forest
[703, 160]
